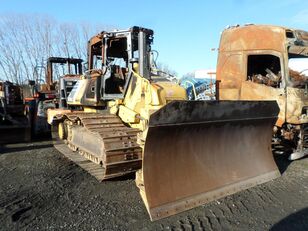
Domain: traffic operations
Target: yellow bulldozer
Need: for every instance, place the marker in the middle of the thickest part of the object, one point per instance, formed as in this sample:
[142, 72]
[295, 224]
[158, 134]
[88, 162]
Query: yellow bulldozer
[123, 117]
[262, 62]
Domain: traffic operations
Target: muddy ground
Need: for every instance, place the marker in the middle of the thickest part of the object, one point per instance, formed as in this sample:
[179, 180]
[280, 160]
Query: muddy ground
[42, 190]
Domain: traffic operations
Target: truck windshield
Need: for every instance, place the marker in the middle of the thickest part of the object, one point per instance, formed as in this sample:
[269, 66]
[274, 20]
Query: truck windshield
[298, 71]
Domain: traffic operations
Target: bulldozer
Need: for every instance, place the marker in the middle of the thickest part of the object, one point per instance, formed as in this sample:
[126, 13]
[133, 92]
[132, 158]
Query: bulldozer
[123, 117]
[263, 62]
[51, 92]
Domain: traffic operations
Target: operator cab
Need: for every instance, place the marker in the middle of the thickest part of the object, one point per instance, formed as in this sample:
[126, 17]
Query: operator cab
[114, 56]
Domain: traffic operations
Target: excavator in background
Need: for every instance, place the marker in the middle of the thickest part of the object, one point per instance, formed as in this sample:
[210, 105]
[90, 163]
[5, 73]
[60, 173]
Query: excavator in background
[122, 117]
[60, 76]
[14, 124]
[262, 62]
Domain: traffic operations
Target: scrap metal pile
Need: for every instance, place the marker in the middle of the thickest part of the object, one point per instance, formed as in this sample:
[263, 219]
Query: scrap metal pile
[270, 79]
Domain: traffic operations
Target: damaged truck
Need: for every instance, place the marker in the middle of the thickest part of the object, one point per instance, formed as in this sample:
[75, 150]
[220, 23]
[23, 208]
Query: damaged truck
[261, 62]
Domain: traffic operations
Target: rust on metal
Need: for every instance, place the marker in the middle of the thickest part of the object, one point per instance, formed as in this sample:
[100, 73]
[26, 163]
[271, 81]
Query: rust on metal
[232, 62]
[260, 62]
[277, 81]
[192, 153]
[50, 81]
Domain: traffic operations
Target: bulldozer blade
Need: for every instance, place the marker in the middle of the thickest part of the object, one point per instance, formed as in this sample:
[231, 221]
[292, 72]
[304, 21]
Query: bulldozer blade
[199, 151]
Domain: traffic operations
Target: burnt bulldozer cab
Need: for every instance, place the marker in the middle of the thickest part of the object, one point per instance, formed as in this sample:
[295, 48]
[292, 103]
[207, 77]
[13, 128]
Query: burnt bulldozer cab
[112, 58]
[61, 76]
[58, 67]
[71, 71]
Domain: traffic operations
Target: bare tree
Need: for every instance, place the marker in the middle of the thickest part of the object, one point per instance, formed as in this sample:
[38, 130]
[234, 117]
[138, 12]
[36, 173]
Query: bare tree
[26, 41]
[166, 68]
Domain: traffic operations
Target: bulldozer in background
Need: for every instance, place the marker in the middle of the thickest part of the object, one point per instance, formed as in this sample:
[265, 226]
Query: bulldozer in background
[262, 62]
[60, 76]
[123, 117]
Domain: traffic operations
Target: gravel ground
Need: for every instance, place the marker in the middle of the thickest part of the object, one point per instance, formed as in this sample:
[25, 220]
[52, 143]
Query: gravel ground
[41, 190]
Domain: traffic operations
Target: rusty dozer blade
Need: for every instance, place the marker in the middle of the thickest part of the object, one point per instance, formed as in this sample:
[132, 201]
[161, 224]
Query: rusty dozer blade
[199, 151]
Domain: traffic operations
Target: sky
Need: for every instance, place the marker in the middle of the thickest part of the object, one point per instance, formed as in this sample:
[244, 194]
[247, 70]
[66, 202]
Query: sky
[184, 31]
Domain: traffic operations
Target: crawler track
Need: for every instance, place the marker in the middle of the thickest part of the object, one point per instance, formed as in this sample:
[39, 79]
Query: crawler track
[107, 147]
